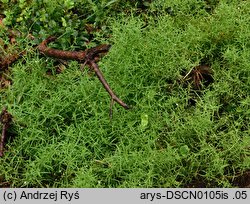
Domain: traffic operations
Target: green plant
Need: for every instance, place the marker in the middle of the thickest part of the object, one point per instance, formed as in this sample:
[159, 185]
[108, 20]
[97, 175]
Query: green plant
[63, 134]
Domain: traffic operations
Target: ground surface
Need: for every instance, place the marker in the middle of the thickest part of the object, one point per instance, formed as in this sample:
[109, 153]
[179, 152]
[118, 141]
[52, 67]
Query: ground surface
[183, 68]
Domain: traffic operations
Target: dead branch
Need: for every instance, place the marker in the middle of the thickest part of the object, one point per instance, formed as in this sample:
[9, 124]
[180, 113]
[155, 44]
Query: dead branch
[107, 87]
[71, 55]
[8, 60]
[89, 57]
[12, 55]
[5, 119]
[65, 55]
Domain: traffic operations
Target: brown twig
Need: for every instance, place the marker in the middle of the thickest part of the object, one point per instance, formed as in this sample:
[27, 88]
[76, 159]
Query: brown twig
[89, 57]
[5, 119]
[11, 56]
[9, 59]
[71, 55]
[107, 87]
[61, 54]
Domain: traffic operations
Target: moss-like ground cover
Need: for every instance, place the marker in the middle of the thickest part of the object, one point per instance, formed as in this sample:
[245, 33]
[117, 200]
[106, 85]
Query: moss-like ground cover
[173, 136]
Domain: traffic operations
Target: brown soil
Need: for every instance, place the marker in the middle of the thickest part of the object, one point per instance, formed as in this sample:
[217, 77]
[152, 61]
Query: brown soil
[239, 181]
[242, 180]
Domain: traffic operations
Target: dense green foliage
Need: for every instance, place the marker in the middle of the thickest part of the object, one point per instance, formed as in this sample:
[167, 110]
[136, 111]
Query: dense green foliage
[65, 18]
[63, 136]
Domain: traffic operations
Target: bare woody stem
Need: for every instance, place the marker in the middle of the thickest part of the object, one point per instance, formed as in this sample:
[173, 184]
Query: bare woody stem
[89, 57]
[4, 130]
[61, 54]
[106, 85]
[70, 55]
[5, 119]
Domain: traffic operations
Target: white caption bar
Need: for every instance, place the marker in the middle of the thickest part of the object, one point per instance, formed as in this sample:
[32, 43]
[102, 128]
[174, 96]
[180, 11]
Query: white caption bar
[114, 196]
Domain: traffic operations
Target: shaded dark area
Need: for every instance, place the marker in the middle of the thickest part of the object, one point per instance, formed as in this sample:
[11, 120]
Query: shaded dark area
[8, 50]
[239, 181]
[242, 180]
[9, 53]
[200, 76]
[5, 81]
[4, 184]
[211, 5]
[5, 119]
